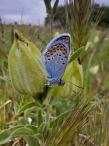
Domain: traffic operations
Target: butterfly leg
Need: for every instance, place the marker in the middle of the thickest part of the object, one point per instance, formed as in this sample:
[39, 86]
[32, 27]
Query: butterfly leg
[48, 84]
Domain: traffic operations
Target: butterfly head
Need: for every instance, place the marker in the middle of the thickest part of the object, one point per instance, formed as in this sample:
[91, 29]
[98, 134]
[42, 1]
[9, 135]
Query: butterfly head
[56, 81]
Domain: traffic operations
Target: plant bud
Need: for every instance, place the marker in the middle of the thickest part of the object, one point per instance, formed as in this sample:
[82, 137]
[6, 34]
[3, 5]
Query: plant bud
[25, 68]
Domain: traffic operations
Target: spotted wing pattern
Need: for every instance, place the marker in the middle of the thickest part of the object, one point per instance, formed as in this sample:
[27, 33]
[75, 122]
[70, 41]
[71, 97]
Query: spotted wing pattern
[55, 57]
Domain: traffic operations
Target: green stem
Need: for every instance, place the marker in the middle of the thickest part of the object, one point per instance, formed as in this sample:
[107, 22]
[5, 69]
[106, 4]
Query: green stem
[41, 96]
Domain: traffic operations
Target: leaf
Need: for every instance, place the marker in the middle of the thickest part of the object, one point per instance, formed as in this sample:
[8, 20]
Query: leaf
[5, 135]
[58, 119]
[17, 131]
[24, 131]
[43, 131]
[32, 141]
[29, 105]
[40, 118]
[76, 54]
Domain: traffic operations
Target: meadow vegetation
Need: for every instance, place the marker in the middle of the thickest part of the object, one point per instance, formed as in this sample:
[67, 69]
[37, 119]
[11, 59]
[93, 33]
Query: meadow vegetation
[76, 114]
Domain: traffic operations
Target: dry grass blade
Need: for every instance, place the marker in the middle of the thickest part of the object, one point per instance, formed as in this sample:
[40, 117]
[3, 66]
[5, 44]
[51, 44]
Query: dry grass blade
[81, 11]
[64, 132]
[86, 140]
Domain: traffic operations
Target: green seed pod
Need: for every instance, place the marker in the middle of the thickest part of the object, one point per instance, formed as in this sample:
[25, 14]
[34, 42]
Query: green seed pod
[73, 78]
[25, 68]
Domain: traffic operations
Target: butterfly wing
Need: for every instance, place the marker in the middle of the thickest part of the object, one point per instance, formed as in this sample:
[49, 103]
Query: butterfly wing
[55, 57]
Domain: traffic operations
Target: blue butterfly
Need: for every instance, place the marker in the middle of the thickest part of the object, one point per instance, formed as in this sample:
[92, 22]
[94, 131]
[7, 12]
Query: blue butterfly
[55, 58]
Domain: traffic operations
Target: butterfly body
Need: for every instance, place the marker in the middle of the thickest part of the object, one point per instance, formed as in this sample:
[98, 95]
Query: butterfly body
[55, 58]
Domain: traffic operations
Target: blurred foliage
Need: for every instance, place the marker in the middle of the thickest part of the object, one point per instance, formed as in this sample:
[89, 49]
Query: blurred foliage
[61, 20]
[103, 20]
[51, 11]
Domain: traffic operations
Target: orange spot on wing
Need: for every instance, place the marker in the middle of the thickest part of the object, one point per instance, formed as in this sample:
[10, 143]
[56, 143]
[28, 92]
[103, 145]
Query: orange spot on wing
[51, 53]
[54, 50]
[57, 49]
[62, 49]
[48, 55]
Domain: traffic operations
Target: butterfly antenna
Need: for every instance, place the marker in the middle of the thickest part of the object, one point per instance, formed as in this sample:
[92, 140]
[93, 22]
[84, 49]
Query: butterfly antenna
[75, 92]
[76, 85]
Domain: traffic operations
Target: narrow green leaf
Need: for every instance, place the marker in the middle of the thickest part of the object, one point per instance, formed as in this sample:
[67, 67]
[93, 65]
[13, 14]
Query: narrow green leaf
[29, 105]
[5, 135]
[76, 54]
[24, 131]
[59, 119]
[40, 118]
[32, 141]
[17, 131]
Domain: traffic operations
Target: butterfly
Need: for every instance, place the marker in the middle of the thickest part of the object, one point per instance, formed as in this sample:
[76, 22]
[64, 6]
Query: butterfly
[55, 58]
